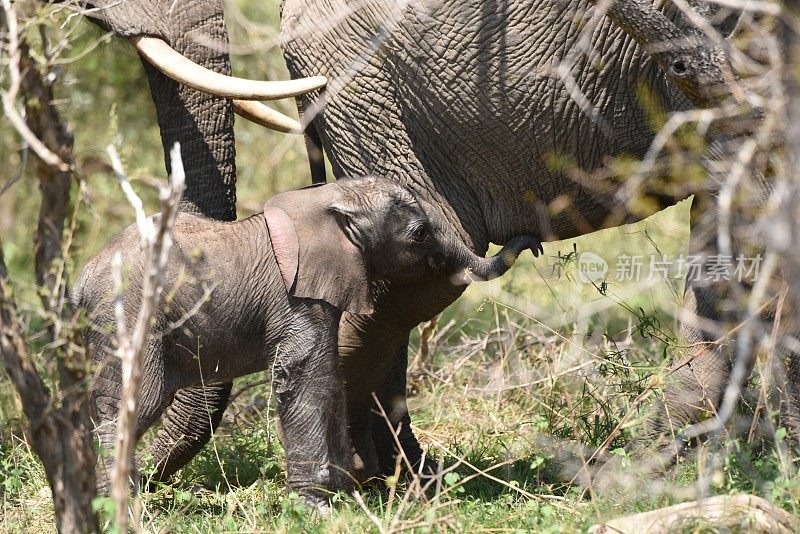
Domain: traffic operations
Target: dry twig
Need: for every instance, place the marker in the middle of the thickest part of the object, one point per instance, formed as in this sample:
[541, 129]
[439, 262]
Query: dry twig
[156, 241]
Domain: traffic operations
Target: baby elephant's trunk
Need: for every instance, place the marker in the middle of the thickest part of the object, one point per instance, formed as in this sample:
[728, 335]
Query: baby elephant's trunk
[496, 266]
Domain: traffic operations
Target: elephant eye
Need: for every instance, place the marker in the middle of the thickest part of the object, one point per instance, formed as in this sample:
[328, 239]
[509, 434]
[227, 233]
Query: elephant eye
[420, 233]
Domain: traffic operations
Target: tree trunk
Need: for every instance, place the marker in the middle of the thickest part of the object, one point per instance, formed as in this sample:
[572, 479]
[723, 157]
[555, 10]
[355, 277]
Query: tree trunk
[60, 432]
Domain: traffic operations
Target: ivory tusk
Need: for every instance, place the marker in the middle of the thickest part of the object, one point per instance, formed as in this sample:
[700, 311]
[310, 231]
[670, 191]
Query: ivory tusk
[266, 116]
[187, 72]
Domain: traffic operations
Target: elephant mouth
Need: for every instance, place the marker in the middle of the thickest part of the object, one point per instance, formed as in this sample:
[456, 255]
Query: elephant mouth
[244, 92]
[439, 263]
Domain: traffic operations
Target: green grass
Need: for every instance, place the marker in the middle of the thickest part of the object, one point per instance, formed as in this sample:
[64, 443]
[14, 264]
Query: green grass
[508, 406]
[502, 445]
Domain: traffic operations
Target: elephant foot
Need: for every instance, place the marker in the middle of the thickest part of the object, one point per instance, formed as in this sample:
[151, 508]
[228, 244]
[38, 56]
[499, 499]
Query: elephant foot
[409, 454]
[424, 467]
[327, 482]
[104, 482]
[427, 466]
[365, 468]
[412, 462]
[316, 503]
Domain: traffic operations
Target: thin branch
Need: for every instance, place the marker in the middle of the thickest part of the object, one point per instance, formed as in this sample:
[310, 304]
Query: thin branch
[23, 164]
[9, 97]
[131, 348]
[143, 224]
[17, 362]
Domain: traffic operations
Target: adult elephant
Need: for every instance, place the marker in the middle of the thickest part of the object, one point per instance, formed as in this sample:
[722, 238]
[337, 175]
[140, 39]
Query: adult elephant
[487, 108]
[467, 102]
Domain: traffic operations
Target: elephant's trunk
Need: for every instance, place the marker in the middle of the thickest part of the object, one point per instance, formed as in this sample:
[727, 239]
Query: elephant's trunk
[202, 123]
[489, 268]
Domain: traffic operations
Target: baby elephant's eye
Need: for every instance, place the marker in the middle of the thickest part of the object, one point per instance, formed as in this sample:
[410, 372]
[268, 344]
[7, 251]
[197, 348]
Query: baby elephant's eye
[420, 233]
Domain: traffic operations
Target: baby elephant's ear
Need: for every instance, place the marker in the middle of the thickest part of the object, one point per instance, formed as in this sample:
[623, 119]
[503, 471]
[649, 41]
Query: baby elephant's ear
[284, 244]
[315, 248]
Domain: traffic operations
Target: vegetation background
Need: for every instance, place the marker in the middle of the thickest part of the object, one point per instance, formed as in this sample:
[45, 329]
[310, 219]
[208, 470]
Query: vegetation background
[505, 381]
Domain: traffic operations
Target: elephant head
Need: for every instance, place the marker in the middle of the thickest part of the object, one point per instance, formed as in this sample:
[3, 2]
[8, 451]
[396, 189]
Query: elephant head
[332, 240]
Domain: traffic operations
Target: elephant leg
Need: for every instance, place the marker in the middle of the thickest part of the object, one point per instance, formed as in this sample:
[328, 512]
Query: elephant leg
[374, 353]
[708, 335]
[785, 363]
[307, 381]
[697, 381]
[106, 395]
[366, 349]
[786, 371]
[713, 313]
[386, 435]
[188, 423]
[695, 384]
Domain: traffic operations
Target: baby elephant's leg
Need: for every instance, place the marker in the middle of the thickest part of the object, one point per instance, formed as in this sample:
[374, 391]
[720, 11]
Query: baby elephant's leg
[189, 422]
[310, 400]
[106, 394]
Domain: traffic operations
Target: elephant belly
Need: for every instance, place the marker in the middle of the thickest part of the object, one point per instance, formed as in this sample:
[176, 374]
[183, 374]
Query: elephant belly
[225, 339]
[221, 324]
[205, 354]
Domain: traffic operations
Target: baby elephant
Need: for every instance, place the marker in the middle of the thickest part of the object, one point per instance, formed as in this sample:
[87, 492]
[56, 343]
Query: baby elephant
[268, 292]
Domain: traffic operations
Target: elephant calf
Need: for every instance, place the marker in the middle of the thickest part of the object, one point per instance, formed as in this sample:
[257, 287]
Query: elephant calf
[268, 291]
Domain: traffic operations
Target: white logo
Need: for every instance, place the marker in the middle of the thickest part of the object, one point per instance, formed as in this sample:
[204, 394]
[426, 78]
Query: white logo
[591, 268]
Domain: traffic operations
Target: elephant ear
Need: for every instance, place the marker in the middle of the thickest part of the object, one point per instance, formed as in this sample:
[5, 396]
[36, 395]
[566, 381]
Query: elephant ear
[284, 244]
[315, 257]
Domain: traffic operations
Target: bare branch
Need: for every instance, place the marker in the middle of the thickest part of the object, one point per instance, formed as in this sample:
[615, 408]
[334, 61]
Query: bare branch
[18, 364]
[23, 164]
[143, 224]
[131, 348]
[733, 510]
[9, 97]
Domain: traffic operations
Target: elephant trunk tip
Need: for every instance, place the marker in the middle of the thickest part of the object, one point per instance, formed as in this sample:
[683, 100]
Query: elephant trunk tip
[500, 263]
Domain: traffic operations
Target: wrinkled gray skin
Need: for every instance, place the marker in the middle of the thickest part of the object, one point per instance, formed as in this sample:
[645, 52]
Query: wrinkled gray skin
[458, 98]
[203, 124]
[246, 296]
[455, 98]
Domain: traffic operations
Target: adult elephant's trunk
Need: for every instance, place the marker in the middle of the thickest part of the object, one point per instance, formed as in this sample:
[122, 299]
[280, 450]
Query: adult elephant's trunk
[202, 123]
[480, 268]
[184, 47]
